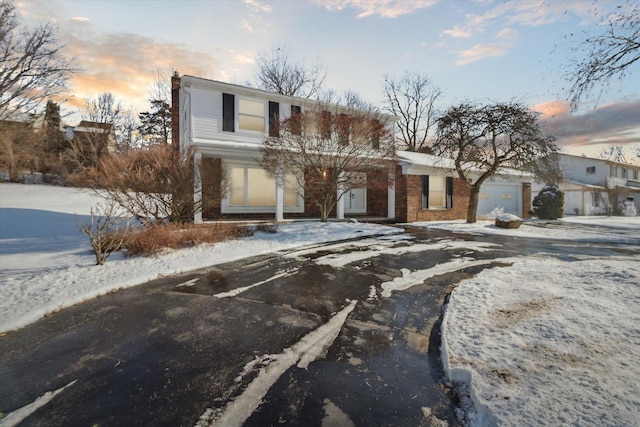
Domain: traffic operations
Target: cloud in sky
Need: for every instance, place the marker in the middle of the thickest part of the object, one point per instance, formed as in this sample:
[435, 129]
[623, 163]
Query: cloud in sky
[505, 39]
[606, 125]
[383, 8]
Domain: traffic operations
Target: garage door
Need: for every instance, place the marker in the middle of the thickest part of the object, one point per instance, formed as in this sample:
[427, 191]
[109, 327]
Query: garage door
[500, 198]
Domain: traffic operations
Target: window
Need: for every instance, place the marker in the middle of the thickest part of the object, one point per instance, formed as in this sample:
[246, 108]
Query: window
[253, 187]
[437, 192]
[635, 174]
[624, 173]
[591, 170]
[613, 171]
[251, 115]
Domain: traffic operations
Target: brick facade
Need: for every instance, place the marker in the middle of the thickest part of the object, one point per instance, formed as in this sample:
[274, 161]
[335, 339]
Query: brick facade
[409, 200]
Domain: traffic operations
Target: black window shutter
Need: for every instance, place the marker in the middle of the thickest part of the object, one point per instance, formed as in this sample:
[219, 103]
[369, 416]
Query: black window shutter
[449, 192]
[274, 119]
[296, 120]
[425, 191]
[228, 112]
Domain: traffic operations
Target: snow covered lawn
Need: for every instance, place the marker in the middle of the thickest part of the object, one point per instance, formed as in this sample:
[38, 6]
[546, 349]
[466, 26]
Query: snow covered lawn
[540, 342]
[549, 342]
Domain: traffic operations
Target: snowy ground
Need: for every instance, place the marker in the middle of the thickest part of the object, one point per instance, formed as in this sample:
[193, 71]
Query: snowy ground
[541, 342]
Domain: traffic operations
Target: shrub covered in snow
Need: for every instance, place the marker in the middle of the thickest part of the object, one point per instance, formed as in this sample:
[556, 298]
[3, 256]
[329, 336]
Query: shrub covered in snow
[549, 203]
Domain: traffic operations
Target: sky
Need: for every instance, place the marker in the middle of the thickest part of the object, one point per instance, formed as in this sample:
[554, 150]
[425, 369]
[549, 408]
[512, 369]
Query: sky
[477, 50]
[550, 341]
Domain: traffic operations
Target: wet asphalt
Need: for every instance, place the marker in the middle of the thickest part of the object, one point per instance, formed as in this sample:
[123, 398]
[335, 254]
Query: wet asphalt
[166, 352]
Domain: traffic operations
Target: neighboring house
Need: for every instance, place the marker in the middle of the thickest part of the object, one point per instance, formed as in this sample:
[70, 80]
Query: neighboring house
[428, 189]
[226, 125]
[101, 137]
[593, 186]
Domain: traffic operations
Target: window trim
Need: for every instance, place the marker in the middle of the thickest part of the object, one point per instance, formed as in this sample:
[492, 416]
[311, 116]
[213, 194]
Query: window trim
[591, 170]
[264, 115]
[447, 193]
[227, 208]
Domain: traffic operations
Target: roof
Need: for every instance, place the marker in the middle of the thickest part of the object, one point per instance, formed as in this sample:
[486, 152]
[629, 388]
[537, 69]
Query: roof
[411, 158]
[611, 162]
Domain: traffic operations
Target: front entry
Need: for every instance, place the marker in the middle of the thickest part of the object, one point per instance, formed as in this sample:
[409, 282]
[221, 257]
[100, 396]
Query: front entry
[355, 200]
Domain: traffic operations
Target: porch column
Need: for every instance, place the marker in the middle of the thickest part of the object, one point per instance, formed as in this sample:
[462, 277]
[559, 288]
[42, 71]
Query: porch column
[197, 188]
[391, 195]
[280, 196]
[340, 201]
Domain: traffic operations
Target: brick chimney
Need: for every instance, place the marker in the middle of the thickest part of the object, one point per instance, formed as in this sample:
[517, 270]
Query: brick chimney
[175, 110]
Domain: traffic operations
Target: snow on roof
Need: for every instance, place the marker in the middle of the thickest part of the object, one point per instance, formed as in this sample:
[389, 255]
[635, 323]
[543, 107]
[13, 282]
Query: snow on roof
[411, 158]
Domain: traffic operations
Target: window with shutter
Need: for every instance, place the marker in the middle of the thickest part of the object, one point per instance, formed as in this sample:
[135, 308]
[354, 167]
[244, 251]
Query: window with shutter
[228, 112]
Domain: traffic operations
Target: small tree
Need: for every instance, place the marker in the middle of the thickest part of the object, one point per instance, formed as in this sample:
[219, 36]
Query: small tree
[484, 139]
[549, 203]
[106, 230]
[155, 125]
[324, 151]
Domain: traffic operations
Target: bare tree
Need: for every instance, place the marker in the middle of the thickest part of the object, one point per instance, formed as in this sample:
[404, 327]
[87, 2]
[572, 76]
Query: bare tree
[325, 151]
[482, 140]
[607, 54]
[33, 67]
[412, 98]
[106, 230]
[97, 135]
[278, 72]
[614, 153]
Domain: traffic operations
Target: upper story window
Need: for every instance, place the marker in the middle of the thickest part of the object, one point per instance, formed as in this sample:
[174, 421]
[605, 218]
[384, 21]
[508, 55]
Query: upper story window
[613, 171]
[635, 174]
[591, 170]
[251, 115]
[624, 173]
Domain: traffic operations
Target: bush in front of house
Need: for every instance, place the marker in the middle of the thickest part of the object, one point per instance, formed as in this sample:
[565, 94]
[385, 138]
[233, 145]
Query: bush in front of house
[549, 203]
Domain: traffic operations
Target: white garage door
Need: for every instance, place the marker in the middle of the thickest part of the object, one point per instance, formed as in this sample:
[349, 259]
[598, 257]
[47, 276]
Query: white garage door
[500, 198]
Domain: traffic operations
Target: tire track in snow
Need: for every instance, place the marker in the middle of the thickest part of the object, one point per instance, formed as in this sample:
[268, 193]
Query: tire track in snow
[309, 348]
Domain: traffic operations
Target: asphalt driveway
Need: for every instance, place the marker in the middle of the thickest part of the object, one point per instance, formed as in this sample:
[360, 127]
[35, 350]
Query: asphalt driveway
[325, 336]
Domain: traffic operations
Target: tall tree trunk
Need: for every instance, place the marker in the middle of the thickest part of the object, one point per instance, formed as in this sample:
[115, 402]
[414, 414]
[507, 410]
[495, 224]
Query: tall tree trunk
[473, 204]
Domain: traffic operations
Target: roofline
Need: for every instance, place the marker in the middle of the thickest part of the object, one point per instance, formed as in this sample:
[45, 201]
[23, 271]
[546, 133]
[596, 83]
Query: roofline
[189, 81]
[601, 160]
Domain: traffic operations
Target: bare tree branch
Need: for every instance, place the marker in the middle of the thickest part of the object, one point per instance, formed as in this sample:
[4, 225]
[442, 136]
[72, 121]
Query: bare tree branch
[325, 150]
[608, 54]
[413, 99]
[278, 72]
[33, 68]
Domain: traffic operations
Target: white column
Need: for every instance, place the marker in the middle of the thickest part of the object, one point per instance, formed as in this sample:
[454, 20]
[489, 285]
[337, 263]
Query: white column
[391, 196]
[340, 202]
[197, 188]
[280, 195]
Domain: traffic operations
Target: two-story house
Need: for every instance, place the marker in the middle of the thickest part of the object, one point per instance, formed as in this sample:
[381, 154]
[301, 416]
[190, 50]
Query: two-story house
[595, 186]
[226, 125]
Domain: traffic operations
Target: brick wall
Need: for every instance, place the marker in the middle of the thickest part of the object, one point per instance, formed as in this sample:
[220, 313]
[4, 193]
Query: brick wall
[409, 201]
[377, 190]
[175, 110]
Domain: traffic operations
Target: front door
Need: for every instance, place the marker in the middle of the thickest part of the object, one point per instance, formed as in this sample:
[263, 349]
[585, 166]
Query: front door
[355, 200]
